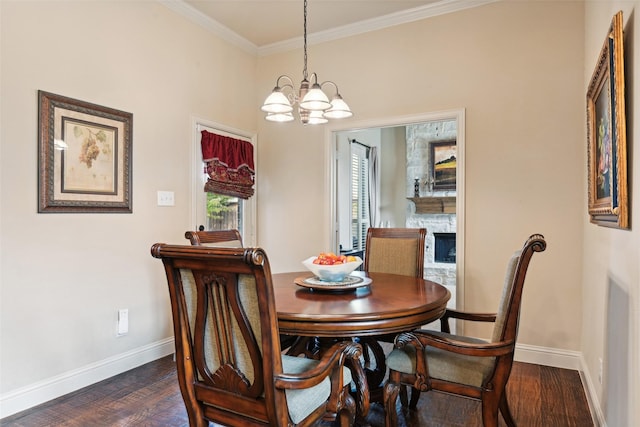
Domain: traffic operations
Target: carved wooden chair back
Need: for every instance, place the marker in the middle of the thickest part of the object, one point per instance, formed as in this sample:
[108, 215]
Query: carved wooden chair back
[230, 368]
[219, 238]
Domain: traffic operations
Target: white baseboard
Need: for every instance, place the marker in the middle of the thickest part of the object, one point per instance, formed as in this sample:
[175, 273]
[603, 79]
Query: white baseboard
[592, 396]
[554, 357]
[568, 360]
[51, 388]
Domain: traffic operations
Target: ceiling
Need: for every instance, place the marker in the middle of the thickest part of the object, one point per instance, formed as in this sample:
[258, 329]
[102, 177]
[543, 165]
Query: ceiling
[267, 25]
[264, 22]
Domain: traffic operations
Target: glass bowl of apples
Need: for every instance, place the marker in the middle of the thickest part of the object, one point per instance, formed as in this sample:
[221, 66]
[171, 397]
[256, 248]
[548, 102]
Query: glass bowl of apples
[330, 267]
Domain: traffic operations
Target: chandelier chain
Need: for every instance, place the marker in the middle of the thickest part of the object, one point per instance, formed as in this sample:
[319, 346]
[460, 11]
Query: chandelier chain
[304, 70]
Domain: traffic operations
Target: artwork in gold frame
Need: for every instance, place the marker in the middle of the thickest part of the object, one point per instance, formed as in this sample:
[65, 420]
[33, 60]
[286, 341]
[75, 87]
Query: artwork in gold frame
[606, 134]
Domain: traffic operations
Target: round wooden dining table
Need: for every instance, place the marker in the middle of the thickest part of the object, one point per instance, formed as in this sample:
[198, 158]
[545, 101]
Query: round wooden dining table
[389, 304]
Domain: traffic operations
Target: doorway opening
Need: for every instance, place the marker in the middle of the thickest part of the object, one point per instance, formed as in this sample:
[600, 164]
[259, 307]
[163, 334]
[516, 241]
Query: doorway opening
[405, 180]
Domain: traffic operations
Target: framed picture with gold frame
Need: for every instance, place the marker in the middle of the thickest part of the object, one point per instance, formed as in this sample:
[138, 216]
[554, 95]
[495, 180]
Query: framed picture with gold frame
[84, 156]
[606, 134]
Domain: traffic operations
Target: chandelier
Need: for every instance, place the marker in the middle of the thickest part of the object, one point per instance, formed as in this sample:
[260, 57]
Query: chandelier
[314, 106]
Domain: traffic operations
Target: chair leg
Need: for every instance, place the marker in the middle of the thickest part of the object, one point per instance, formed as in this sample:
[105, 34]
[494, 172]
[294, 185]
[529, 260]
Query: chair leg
[196, 418]
[403, 395]
[489, 410]
[347, 416]
[390, 397]
[415, 395]
[505, 411]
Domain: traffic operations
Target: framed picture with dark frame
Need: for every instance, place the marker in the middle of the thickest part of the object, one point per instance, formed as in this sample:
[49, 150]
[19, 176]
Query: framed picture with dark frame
[443, 164]
[84, 156]
[606, 134]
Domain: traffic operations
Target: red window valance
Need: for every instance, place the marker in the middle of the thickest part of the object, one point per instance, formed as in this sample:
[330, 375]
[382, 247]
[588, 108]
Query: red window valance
[229, 164]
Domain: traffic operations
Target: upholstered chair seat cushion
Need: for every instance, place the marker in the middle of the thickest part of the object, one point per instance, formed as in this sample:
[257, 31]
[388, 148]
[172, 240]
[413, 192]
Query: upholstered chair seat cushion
[445, 365]
[303, 402]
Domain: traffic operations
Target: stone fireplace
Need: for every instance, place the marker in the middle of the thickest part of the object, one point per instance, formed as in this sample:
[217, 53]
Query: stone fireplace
[443, 272]
[433, 210]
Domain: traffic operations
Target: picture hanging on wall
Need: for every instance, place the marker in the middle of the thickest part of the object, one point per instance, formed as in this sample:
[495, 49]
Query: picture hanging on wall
[84, 156]
[606, 134]
[443, 165]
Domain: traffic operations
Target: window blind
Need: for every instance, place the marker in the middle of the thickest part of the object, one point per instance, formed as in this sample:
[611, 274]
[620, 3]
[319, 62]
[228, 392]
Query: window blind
[359, 196]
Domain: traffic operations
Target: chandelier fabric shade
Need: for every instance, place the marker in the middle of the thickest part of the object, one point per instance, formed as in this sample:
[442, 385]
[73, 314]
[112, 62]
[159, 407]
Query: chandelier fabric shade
[229, 165]
[314, 106]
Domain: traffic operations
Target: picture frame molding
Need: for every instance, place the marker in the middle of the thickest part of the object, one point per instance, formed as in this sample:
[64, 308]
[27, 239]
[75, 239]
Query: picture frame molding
[103, 137]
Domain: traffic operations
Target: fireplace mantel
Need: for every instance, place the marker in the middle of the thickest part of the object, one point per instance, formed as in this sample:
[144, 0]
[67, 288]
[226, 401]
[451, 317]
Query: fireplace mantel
[434, 205]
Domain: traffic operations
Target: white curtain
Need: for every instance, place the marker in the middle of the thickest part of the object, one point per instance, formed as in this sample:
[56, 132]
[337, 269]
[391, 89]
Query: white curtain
[374, 184]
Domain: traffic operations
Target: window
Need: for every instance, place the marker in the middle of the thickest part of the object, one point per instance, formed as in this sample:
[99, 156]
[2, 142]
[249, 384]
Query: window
[213, 211]
[223, 212]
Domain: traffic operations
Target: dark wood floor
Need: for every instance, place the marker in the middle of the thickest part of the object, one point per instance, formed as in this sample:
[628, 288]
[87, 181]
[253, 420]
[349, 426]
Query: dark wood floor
[149, 396]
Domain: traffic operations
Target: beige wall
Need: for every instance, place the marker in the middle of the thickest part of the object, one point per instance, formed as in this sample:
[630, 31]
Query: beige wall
[517, 70]
[64, 276]
[611, 258]
[393, 176]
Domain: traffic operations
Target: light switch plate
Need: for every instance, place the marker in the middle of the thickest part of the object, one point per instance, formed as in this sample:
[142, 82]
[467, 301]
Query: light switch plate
[123, 321]
[166, 198]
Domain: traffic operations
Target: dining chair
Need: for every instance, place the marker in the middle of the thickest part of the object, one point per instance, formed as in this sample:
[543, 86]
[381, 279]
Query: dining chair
[221, 238]
[230, 367]
[466, 366]
[395, 251]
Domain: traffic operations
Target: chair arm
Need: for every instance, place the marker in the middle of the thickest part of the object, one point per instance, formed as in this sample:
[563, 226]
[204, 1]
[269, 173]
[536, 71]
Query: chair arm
[462, 315]
[330, 364]
[420, 340]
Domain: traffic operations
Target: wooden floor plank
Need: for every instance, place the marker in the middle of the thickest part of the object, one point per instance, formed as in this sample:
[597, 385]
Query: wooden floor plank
[149, 396]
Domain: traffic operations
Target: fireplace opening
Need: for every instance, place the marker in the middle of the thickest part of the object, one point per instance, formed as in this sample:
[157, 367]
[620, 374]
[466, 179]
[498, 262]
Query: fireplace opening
[445, 248]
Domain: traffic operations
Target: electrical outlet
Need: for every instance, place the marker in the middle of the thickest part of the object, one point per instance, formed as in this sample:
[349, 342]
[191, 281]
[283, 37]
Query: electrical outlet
[166, 198]
[123, 321]
[600, 369]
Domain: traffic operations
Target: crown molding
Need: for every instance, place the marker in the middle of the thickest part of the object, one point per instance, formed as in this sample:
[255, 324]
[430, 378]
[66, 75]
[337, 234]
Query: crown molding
[403, 17]
[410, 15]
[216, 28]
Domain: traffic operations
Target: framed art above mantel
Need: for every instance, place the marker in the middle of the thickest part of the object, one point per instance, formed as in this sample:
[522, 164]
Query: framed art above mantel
[84, 157]
[606, 134]
[443, 164]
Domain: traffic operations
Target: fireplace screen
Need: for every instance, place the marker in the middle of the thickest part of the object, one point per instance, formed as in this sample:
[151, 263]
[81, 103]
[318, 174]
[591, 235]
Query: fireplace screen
[445, 248]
